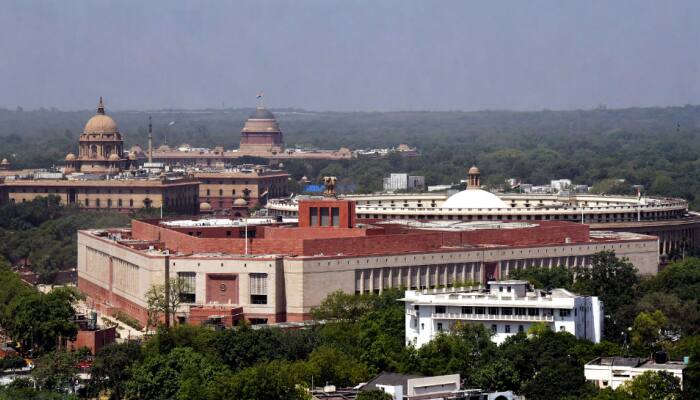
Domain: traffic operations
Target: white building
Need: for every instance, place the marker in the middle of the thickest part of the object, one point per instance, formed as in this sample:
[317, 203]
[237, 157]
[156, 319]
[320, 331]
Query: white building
[560, 184]
[403, 182]
[614, 371]
[504, 307]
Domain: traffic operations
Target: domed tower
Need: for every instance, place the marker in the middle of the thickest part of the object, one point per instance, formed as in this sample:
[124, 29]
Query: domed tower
[101, 145]
[261, 133]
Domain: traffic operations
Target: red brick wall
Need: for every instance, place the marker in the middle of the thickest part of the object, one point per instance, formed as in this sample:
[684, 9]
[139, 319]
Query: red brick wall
[346, 209]
[101, 299]
[93, 340]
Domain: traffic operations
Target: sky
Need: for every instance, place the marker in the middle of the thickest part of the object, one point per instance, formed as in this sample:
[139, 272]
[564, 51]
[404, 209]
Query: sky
[376, 55]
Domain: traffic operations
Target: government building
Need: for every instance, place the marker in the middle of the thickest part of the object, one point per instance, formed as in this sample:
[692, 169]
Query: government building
[103, 177]
[276, 270]
[668, 218]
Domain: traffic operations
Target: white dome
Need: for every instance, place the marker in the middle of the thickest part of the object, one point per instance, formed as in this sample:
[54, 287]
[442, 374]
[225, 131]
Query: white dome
[474, 198]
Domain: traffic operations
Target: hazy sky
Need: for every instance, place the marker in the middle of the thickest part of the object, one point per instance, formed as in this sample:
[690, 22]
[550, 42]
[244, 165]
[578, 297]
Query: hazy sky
[350, 55]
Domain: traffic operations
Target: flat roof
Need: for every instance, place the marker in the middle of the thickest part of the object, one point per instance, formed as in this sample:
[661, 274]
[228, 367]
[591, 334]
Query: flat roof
[223, 222]
[458, 225]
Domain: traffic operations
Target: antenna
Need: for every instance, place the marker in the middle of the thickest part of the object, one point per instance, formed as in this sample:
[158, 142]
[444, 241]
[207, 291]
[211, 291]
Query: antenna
[150, 139]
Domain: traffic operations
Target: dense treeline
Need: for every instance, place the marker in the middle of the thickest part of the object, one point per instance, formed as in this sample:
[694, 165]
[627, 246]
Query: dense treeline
[654, 147]
[364, 334]
[42, 233]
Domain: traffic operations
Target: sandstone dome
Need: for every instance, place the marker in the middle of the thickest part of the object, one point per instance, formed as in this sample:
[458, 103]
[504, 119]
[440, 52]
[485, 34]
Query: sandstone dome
[261, 120]
[70, 157]
[101, 123]
[113, 157]
[474, 198]
[204, 206]
[239, 202]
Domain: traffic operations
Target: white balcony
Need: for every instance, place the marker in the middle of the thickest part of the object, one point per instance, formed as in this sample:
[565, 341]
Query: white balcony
[489, 317]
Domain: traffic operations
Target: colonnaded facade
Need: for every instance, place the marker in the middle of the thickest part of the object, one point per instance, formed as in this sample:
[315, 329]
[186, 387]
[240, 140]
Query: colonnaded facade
[678, 228]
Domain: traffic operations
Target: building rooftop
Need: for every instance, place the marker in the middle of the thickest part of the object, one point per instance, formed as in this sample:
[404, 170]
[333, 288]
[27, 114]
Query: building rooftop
[636, 362]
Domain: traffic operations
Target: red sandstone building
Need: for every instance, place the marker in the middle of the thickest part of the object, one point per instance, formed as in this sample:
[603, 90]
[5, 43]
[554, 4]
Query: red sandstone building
[282, 270]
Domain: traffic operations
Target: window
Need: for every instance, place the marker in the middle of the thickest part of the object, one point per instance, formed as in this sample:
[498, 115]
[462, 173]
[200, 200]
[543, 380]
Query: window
[97, 203]
[325, 217]
[508, 289]
[422, 326]
[564, 313]
[507, 328]
[493, 310]
[258, 288]
[313, 215]
[494, 328]
[520, 311]
[500, 288]
[506, 311]
[87, 202]
[478, 310]
[119, 203]
[187, 294]
[439, 326]
[466, 310]
[439, 309]
[335, 216]
[521, 328]
[208, 192]
[131, 202]
[533, 312]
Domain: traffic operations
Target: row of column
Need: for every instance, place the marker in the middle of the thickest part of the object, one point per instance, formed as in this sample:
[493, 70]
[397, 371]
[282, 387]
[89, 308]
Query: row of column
[423, 276]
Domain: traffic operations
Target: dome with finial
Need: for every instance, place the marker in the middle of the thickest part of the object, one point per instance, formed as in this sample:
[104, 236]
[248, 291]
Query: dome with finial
[239, 202]
[4, 162]
[113, 157]
[70, 157]
[261, 120]
[101, 123]
[474, 197]
[474, 170]
[204, 206]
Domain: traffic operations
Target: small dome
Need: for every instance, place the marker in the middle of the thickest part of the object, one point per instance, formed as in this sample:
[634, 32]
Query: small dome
[114, 157]
[70, 157]
[474, 170]
[261, 113]
[101, 124]
[4, 162]
[204, 206]
[239, 202]
[164, 147]
[474, 198]
[132, 156]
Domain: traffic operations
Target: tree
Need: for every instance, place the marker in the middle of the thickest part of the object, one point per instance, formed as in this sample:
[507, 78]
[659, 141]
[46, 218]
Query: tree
[111, 368]
[337, 368]
[157, 303]
[265, 381]
[615, 282]
[543, 277]
[56, 371]
[648, 331]
[653, 385]
[374, 395]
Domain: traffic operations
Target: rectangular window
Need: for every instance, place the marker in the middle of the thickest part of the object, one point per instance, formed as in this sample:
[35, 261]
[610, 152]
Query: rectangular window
[507, 328]
[533, 312]
[97, 203]
[479, 310]
[506, 311]
[521, 328]
[494, 328]
[466, 310]
[520, 311]
[493, 310]
[187, 294]
[87, 202]
[439, 326]
[325, 217]
[258, 288]
[335, 214]
[564, 313]
[508, 289]
[313, 214]
[439, 309]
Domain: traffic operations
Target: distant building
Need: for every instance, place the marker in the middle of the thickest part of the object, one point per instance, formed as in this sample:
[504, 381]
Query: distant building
[504, 307]
[560, 184]
[244, 185]
[416, 387]
[614, 371]
[403, 182]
